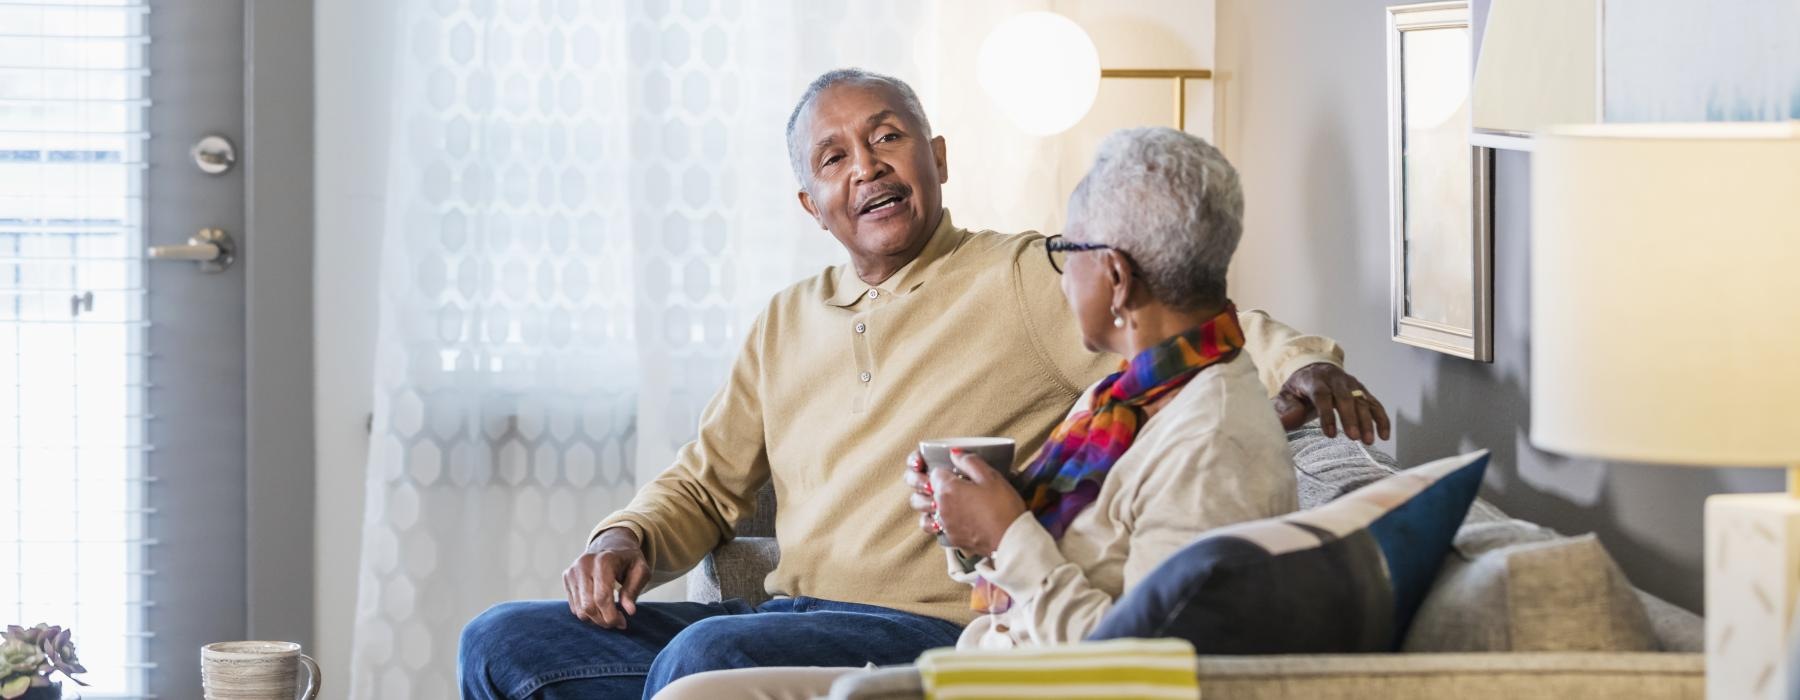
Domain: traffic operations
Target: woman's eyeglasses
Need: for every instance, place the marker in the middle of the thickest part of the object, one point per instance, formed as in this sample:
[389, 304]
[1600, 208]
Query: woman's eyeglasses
[1058, 250]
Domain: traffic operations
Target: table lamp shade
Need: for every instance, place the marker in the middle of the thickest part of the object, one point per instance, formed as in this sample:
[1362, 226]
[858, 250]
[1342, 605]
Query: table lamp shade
[1537, 66]
[1665, 267]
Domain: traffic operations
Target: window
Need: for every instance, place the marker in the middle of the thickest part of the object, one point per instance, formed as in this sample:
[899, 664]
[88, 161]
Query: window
[72, 467]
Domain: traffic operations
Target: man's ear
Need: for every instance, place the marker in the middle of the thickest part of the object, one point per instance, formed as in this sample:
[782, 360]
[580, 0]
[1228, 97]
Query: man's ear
[939, 154]
[813, 211]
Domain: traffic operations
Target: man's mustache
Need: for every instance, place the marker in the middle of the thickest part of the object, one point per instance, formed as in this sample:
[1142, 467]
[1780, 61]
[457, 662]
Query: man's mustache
[881, 191]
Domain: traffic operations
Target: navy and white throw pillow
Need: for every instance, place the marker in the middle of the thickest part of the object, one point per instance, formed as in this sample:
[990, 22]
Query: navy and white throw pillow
[1345, 577]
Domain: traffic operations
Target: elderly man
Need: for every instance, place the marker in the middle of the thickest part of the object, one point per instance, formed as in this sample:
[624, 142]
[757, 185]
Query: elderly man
[931, 330]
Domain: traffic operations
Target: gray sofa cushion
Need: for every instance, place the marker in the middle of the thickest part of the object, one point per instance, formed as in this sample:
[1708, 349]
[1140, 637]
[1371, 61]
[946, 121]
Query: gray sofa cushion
[1555, 595]
[1676, 628]
[1331, 467]
[761, 521]
[1328, 468]
[735, 570]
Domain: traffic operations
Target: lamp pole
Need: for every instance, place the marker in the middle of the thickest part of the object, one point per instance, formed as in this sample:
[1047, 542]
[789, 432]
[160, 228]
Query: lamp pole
[1179, 76]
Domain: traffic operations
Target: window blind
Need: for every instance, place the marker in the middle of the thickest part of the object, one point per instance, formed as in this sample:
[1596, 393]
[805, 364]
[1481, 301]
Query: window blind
[73, 481]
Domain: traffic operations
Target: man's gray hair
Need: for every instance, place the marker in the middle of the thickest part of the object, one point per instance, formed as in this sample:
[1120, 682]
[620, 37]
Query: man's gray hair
[1171, 202]
[909, 103]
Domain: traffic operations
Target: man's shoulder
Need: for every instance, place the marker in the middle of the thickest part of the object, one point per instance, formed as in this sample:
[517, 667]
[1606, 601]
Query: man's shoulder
[985, 250]
[993, 244]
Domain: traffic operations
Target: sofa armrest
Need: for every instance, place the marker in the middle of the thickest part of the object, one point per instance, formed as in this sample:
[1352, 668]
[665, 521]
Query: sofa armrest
[1601, 676]
[735, 570]
[887, 683]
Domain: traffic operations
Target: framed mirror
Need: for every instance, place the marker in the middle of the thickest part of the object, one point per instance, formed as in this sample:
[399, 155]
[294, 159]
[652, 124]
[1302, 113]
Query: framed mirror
[1440, 190]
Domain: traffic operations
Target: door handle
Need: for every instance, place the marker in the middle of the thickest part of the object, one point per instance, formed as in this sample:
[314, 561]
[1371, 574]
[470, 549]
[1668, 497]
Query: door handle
[211, 248]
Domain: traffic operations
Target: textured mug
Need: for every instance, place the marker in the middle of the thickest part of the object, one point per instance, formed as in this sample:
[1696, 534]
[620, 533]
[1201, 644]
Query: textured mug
[256, 671]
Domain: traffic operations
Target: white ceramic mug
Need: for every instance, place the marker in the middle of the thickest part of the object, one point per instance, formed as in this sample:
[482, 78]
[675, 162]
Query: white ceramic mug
[256, 671]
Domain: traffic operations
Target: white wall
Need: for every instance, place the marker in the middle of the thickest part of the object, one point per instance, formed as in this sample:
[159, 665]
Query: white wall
[351, 127]
[350, 132]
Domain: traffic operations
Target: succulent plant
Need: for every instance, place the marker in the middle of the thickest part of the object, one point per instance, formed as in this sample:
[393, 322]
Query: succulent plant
[28, 655]
[21, 664]
[60, 652]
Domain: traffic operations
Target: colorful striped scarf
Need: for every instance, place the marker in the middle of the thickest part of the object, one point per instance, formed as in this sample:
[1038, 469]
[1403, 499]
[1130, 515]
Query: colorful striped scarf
[1065, 477]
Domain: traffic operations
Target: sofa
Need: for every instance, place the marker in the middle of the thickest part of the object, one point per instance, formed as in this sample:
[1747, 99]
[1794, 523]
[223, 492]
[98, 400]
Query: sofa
[1648, 648]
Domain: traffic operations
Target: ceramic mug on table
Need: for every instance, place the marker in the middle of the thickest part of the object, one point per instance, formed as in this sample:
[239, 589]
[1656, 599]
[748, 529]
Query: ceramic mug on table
[996, 451]
[256, 671]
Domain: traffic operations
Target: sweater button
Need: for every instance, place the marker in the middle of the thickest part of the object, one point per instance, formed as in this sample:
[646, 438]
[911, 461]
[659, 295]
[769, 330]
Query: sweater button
[865, 377]
[860, 327]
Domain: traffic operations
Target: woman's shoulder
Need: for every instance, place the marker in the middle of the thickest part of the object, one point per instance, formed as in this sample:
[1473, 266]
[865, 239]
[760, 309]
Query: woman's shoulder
[1224, 408]
[1219, 441]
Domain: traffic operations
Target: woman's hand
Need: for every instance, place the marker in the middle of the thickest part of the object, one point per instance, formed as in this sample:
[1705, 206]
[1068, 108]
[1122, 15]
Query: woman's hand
[919, 485]
[975, 509]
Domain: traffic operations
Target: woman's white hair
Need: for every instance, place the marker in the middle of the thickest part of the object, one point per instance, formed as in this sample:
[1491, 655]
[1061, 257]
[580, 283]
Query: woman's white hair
[1171, 202]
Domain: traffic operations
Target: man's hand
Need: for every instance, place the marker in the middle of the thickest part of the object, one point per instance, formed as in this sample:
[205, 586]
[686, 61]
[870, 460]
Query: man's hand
[1337, 397]
[613, 565]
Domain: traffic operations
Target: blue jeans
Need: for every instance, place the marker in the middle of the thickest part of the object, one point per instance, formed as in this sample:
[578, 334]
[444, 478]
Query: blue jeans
[538, 649]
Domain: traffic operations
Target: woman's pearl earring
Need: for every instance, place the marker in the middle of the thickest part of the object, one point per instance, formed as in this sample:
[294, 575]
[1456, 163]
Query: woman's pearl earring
[1118, 321]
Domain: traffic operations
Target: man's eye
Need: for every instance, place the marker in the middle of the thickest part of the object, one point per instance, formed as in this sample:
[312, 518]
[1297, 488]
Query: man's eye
[832, 159]
[887, 138]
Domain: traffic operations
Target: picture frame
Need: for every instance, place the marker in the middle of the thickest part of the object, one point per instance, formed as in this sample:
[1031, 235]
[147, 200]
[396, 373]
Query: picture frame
[1440, 188]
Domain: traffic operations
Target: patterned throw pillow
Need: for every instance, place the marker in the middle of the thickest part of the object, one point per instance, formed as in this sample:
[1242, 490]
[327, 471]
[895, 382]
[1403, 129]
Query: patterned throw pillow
[1345, 577]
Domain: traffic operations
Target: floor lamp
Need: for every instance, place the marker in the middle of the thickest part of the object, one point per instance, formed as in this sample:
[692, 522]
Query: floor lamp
[1042, 71]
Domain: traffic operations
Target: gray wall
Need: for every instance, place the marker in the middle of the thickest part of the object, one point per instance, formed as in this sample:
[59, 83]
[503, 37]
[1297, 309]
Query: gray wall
[277, 258]
[1302, 112]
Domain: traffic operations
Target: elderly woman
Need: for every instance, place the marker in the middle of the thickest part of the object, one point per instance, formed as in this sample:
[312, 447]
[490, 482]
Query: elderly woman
[1181, 440]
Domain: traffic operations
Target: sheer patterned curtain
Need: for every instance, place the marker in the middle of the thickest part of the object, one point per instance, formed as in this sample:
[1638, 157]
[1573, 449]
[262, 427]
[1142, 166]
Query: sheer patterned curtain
[588, 202]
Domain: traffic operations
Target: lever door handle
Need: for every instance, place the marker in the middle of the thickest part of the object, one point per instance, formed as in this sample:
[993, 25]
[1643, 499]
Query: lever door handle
[201, 252]
[212, 248]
